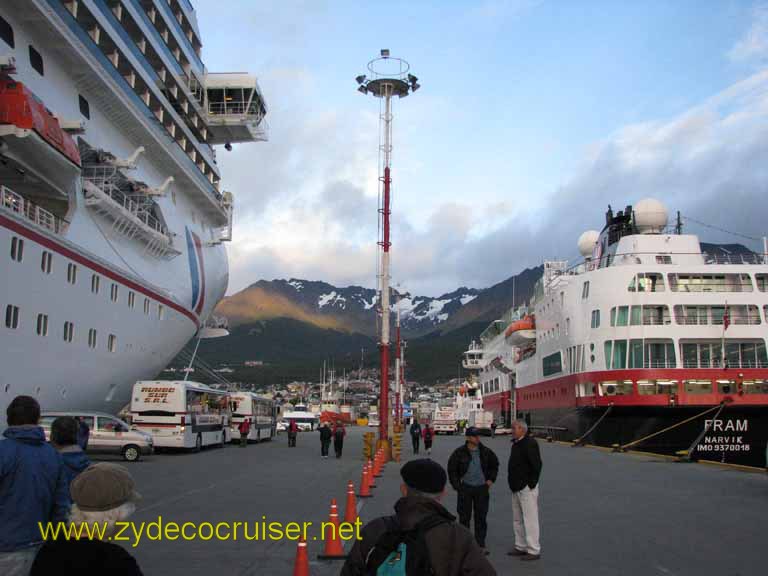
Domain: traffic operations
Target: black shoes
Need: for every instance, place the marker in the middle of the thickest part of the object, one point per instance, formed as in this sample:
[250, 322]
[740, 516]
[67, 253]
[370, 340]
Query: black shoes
[530, 557]
[516, 552]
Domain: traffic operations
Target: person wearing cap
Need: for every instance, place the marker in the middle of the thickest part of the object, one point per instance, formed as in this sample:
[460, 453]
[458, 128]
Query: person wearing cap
[33, 486]
[64, 439]
[451, 548]
[472, 470]
[103, 495]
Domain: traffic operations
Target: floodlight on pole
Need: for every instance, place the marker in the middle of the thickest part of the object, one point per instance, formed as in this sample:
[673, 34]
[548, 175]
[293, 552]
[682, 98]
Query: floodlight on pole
[387, 77]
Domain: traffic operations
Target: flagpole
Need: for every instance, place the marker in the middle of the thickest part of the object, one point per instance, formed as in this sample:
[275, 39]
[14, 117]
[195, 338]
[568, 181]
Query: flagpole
[726, 322]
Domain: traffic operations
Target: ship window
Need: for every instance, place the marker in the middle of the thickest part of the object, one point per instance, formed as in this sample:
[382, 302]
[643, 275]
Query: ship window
[95, 283]
[762, 282]
[698, 386]
[112, 343]
[72, 273]
[6, 32]
[11, 316]
[17, 249]
[647, 282]
[92, 338]
[755, 387]
[663, 259]
[85, 108]
[649, 387]
[585, 290]
[146, 306]
[69, 331]
[36, 60]
[616, 388]
[659, 354]
[635, 353]
[131, 299]
[552, 364]
[620, 316]
[114, 292]
[710, 283]
[42, 324]
[160, 311]
[595, 319]
[45, 262]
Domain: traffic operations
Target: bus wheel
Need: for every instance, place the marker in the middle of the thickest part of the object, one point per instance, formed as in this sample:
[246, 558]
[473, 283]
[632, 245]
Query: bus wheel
[198, 443]
[131, 453]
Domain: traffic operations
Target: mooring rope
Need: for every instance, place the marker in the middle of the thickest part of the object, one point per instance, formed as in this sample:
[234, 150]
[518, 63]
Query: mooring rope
[668, 428]
[580, 441]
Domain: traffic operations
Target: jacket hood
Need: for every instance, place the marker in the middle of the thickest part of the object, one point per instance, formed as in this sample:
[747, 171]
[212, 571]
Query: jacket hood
[75, 460]
[412, 509]
[29, 434]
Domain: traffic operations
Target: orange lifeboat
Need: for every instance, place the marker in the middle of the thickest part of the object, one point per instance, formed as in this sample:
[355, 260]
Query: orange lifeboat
[19, 107]
[521, 331]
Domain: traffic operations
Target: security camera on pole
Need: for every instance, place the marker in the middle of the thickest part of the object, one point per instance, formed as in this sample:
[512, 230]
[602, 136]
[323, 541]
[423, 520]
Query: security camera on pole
[387, 77]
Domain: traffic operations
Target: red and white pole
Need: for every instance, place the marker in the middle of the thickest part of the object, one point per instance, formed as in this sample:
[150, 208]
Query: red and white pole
[385, 426]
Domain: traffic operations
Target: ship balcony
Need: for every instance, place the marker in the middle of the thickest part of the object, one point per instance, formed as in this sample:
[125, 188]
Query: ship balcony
[235, 109]
[15, 203]
[131, 214]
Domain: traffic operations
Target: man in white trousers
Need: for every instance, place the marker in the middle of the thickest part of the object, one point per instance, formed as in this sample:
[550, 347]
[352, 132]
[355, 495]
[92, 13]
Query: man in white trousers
[523, 473]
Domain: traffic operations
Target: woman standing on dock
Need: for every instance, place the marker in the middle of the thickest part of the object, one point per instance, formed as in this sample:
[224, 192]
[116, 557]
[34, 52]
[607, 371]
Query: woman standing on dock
[338, 438]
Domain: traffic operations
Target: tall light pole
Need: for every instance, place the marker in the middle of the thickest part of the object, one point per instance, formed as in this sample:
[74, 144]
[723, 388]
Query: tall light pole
[387, 77]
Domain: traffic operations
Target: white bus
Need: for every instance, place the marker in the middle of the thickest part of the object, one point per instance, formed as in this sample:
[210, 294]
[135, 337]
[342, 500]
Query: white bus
[181, 414]
[260, 411]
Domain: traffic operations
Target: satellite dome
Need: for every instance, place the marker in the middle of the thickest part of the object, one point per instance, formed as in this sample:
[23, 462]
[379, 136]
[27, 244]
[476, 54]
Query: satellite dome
[587, 242]
[650, 216]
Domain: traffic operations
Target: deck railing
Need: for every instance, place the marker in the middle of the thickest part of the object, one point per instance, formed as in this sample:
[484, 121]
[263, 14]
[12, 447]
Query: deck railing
[10, 201]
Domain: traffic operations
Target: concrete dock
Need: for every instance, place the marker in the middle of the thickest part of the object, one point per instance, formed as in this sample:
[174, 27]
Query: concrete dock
[601, 513]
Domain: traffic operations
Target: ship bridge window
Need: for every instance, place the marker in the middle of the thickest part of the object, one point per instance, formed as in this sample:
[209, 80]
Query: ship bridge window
[36, 60]
[738, 354]
[11, 317]
[6, 33]
[704, 315]
[85, 108]
[762, 282]
[647, 282]
[710, 283]
[17, 249]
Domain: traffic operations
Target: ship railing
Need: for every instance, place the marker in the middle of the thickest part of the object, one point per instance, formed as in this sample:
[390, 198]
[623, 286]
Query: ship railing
[718, 363]
[692, 321]
[236, 108]
[17, 204]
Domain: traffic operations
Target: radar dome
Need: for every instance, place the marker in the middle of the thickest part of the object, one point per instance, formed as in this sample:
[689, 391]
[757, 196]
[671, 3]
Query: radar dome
[650, 216]
[587, 242]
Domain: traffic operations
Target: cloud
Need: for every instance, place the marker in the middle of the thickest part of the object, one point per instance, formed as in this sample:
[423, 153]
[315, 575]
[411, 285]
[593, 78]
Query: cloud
[753, 46]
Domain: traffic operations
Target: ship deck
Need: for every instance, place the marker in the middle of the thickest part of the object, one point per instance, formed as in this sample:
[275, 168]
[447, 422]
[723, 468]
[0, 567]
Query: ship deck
[601, 513]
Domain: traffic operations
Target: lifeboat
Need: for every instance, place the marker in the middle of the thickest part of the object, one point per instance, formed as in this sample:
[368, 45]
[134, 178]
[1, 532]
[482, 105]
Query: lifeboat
[24, 112]
[521, 331]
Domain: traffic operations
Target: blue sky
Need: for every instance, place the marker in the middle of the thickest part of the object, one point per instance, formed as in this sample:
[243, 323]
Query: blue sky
[530, 113]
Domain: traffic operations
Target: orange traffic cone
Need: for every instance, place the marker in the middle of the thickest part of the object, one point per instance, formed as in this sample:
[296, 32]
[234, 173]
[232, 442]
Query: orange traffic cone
[365, 483]
[333, 548]
[377, 466]
[350, 511]
[301, 564]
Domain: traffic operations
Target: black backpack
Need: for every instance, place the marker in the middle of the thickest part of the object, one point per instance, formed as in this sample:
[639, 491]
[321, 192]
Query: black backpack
[385, 555]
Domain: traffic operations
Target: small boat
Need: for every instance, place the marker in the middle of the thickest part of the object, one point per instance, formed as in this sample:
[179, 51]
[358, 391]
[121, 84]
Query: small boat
[521, 331]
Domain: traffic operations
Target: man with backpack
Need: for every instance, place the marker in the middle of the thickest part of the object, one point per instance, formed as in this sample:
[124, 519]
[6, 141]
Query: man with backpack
[472, 469]
[415, 435]
[422, 538]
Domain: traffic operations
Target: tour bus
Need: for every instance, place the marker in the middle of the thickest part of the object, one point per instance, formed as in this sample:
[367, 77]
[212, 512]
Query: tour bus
[306, 421]
[260, 411]
[181, 414]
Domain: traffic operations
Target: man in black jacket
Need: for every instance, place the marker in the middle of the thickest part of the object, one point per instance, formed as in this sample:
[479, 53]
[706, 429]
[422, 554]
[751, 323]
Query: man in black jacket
[523, 474]
[415, 435]
[472, 468]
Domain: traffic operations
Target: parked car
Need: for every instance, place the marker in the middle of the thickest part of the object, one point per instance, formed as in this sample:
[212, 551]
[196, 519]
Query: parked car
[109, 435]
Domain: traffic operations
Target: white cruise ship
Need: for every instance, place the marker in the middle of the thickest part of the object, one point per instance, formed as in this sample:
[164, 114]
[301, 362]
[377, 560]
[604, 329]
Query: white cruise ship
[112, 216]
[651, 343]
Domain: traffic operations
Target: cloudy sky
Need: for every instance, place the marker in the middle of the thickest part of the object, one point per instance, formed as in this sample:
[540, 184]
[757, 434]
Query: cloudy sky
[533, 116]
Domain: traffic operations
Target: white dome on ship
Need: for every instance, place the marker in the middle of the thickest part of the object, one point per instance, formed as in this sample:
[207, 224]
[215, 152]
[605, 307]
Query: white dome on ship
[587, 242]
[650, 216]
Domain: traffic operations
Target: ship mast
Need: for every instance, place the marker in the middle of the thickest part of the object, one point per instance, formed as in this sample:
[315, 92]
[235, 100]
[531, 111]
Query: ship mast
[388, 77]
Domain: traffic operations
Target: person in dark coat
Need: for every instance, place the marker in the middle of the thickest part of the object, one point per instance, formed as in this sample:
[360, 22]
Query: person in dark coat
[245, 430]
[293, 431]
[103, 494]
[472, 470]
[83, 433]
[523, 473]
[64, 438]
[416, 435]
[451, 548]
[33, 487]
[429, 435]
[338, 438]
[325, 439]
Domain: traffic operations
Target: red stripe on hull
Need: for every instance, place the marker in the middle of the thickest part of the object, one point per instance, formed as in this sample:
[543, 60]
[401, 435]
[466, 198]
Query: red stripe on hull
[80, 259]
[561, 392]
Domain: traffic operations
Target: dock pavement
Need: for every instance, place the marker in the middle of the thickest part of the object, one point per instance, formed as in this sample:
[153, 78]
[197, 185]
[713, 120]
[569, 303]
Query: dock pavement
[601, 513]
